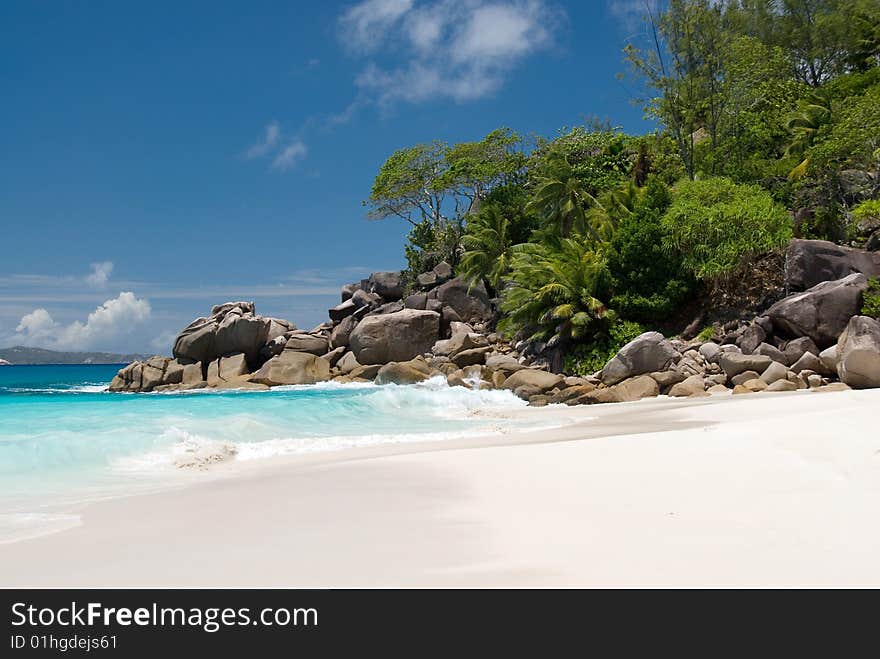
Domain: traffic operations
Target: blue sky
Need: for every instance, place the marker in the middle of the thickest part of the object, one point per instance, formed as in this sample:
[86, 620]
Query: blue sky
[158, 158]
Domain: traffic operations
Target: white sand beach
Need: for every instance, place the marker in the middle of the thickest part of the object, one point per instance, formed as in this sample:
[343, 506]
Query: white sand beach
[757, 490]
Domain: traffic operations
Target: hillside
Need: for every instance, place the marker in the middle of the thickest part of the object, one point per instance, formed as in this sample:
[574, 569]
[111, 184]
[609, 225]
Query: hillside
[25, 355]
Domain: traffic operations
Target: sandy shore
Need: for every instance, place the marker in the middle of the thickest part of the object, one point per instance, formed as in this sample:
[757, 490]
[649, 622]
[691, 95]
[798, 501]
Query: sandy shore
[762, 490]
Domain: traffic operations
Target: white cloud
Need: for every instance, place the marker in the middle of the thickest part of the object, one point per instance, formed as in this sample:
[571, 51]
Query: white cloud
[288, 156]
[100, 274]
[458, 49]
[272, 133]
[363, 25]
[115, 318]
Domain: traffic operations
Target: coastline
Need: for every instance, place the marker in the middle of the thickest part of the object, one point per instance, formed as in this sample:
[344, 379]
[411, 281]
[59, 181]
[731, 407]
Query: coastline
[769, 490]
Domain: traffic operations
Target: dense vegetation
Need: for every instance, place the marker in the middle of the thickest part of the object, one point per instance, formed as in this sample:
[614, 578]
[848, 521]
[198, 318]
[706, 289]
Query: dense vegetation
[768, 116]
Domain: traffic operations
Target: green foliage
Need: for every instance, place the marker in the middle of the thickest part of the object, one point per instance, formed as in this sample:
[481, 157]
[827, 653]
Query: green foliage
[586, 359]
[871, 299]
[867, 210]
[716, 225]
[647, 279]
[429, 244]
[553, 291]
[706, 334]
[500, 223]
[852, 140]
[597, 157]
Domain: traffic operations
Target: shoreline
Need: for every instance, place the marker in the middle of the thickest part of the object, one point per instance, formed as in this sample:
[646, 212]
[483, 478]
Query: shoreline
[770, 490]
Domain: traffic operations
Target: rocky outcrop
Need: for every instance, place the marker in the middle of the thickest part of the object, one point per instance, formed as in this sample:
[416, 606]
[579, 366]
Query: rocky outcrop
[647, 353]
[146, 376]
[822, 312]
[231, 328]
[394, 337]
[858, 353]
[810, 262]
[388, 285]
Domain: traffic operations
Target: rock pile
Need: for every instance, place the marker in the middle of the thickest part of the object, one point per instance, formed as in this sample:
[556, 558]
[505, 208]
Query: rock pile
[813, 339]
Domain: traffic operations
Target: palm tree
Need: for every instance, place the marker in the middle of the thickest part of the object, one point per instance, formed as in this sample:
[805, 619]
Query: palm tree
[552, 290]
[804, 126]
[563, 204]
[487, 242]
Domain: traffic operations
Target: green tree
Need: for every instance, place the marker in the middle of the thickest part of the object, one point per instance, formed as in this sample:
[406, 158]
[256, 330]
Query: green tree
[435, 186]
[717, 225]
[553, 292]
[683, 65]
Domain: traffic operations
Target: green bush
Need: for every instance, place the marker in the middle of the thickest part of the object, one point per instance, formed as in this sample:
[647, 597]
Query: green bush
[706, 334]
[647, 280]
[871, 299]
[867, 210]
[717, 225]
[586, 359]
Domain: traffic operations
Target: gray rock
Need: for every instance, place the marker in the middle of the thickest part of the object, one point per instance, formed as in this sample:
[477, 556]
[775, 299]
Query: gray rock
[829, 360]
[858, 351]
[710, 351]
[343, 310]
[742, 378]
[416, 301]
[303, 342]
[426, 280]
[692, 386]
[504, 363]
[443, 272]
[411, 372]
[470, 357]
[796, 349]
[389, 285]
[362, 298]
[733, 363]
[772, 352]
[647, 353]
[822, 312]
[347, 363]
[542, 380]
[808, 362]
[782, 385]
[810, 262]
[459, 342]
[226, 369]
[292, 367]
[751, 337]
[667, 379]
[231, 328]
[348, 290]
[774, 372]
[335, 355]
[632, 389]
[470, 303]
[394, 337]
[342, 332]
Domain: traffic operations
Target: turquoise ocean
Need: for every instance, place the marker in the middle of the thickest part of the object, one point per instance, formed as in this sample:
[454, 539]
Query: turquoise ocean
[64, 438]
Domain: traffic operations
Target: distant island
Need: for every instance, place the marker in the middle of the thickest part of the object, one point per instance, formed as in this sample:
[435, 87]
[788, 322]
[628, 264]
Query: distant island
[22, 355]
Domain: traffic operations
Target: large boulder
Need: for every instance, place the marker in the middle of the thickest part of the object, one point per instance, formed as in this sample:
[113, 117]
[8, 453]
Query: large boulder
[231, 328]
[394, 337]
[822, 312]
[810, 262]
[148, 375]
[858, 353]
[389, 285]
[291, 367]
[540, 381]
[411, 372]
[734, 363]
[305, 342]
[647, 353]
[628, 391]
[470, 303]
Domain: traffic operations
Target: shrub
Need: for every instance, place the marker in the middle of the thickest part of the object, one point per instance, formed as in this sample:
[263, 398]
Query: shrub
[871, 299]
[706, 334]
[867, 210]
[717, 225]
[586, 359]
[647, 280]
